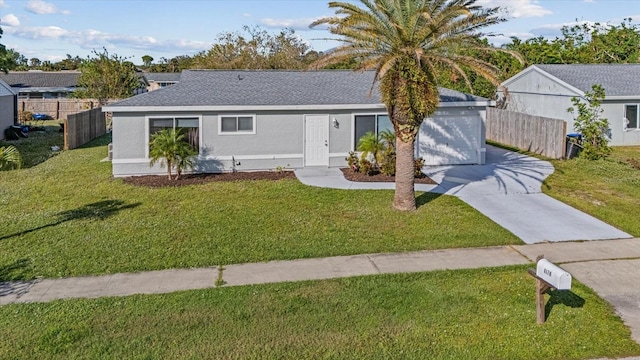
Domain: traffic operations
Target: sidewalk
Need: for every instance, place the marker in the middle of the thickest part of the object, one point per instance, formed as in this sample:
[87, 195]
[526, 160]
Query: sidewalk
[609, 267]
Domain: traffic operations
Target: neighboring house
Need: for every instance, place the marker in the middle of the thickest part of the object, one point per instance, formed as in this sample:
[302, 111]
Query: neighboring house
[42, 84]
[546, 90]
[243, 120]
[8, 107]
[161, 80]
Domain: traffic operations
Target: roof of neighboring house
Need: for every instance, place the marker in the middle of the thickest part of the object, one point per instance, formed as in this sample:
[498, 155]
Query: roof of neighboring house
[616, 79]
[162, 77]
[41, 79]
[5, 89]
[272, 88]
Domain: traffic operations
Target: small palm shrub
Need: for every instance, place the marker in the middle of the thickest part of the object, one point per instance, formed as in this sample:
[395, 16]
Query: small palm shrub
[10, 158]
[371, 144]
[170, 148]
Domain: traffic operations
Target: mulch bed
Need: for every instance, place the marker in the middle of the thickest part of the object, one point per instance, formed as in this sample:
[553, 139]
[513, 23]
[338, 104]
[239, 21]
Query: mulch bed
[195, 179]
[360, 177]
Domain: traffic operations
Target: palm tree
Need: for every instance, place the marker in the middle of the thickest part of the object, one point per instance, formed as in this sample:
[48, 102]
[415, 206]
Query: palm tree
[370, 143]
[407, 43]
[10, 157]
[169, 147]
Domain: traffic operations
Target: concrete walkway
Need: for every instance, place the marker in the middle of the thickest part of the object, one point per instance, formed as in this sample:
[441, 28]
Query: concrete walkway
[507, 189]
[608, 267]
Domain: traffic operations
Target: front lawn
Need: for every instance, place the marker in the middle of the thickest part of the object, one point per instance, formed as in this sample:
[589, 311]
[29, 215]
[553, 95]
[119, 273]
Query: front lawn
[68, 217]
[467, 314]
[607, 189]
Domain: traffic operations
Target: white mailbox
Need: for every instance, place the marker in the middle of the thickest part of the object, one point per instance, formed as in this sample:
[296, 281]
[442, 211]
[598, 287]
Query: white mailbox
[553, 275]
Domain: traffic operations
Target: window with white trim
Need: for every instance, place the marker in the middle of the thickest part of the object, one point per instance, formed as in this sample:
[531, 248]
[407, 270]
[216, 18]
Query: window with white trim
[375, 123]
[631, 114]
[237, 124]
[190, 127]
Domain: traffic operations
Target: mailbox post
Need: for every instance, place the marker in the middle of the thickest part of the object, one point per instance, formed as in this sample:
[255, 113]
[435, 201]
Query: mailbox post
[548, 276]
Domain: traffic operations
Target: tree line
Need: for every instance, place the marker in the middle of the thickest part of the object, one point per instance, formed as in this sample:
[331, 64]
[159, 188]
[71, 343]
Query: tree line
[256, 48]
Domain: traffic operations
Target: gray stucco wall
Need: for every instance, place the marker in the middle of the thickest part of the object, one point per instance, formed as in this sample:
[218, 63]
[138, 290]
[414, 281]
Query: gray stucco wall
[278, 142]
[7, 106]
[536, 94]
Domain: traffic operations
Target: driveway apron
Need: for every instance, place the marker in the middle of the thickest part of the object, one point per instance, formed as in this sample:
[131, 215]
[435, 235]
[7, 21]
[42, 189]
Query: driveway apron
[507, 189]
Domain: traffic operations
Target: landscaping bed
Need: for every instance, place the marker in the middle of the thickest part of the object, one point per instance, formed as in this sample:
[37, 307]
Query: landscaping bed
[195, 179]
[379, 177]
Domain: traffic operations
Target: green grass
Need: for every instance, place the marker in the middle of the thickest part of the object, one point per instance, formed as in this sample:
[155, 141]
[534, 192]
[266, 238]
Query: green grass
[607, 189]
[68, 217]
[37, 147]
[469, 314]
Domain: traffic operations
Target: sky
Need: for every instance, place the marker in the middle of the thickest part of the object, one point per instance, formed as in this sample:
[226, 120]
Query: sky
[51, 29]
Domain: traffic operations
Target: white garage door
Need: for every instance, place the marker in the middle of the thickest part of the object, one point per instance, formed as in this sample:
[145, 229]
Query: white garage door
[450, 139]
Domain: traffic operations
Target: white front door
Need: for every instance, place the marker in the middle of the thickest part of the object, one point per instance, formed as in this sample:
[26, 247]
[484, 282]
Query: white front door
[316, 140]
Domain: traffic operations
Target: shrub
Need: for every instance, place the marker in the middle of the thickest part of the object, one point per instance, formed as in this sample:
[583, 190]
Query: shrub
[417, 167]
[366, 167]
[25, 116]
[591, 124]
[388, 166]
[353, 161]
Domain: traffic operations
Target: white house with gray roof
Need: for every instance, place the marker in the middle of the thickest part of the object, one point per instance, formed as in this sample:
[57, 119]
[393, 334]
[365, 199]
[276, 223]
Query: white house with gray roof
[247, 120]
[8, 107]
[546, 90]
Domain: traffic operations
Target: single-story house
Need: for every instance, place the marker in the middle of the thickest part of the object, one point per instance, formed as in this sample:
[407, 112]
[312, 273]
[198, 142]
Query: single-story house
[8, 107]
[161, 80]
[546, 90]
[244, 120]
[37, 84]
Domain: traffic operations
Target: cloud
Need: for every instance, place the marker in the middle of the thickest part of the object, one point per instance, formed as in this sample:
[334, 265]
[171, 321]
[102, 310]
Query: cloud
[247, 15]
[40, 7]
[554, 30]
[518, 8]
[10, 20]
[3, 5]
[296, 24]
[94, 39]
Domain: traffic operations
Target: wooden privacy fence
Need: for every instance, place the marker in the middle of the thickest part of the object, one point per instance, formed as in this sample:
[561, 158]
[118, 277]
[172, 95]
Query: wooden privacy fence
[536, 134]
[56, 108]
[83, 127]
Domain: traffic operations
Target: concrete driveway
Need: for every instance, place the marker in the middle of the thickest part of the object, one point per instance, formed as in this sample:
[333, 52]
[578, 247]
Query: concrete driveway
[508, 190]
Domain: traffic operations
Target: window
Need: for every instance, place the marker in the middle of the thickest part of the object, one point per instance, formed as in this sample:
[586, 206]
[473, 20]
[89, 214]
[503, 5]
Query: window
[237, 124]
[373, 123]
[189, 126]
[631, 114]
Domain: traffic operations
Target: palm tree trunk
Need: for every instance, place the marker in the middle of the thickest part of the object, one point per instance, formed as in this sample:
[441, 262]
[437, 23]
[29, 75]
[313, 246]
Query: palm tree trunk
[169, 165]
[405, 197]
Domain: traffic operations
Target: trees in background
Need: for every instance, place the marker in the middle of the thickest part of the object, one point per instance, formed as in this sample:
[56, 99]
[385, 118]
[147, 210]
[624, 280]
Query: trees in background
[107, 77]
[256, 48]
[584, 44]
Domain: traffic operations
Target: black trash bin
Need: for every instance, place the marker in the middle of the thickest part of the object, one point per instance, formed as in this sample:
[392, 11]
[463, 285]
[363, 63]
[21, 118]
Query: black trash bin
[574, 147]
[14, 132]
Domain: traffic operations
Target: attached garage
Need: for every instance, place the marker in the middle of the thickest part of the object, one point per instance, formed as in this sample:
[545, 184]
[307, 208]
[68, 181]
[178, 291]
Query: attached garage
[453, 137]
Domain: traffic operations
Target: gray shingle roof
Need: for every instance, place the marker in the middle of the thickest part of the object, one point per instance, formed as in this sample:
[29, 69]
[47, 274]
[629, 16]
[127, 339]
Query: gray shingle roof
[41, 79]
[162, 77]
[271, 88]
[617, 79]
